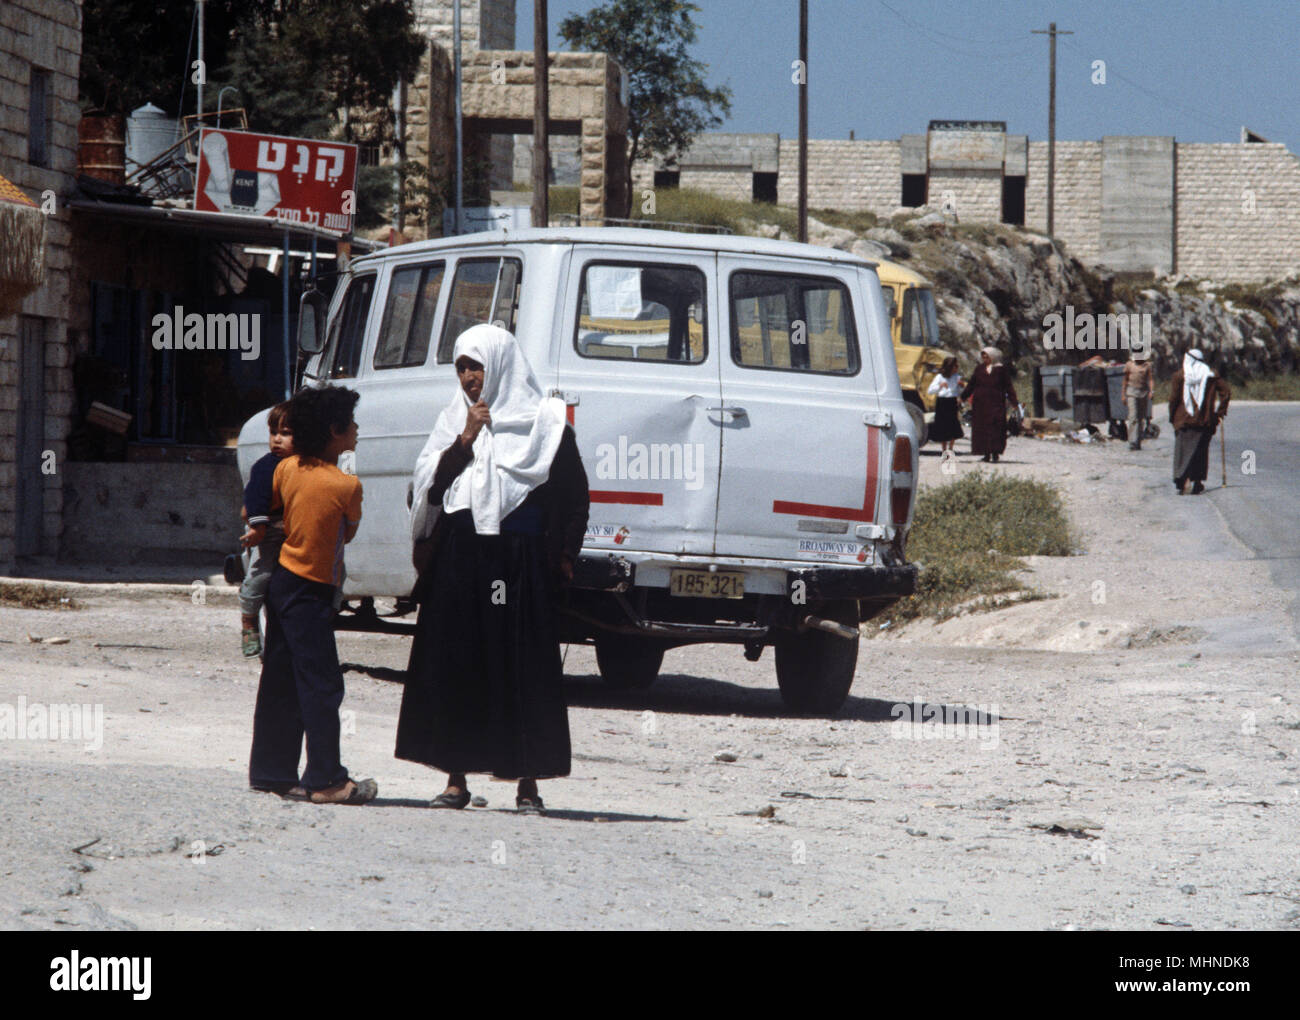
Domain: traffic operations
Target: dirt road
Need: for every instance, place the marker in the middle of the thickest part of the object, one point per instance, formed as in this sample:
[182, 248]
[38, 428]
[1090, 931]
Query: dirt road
[1131, 761]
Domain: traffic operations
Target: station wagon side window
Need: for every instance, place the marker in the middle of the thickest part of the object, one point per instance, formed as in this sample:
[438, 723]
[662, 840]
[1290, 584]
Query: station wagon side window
[792, 322]
[348, 331]
[483, 290]
[913, 318]
[642, 312]
[408, 315]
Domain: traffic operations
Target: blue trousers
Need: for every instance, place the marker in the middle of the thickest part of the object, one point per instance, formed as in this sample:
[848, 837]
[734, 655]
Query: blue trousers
[301, 688]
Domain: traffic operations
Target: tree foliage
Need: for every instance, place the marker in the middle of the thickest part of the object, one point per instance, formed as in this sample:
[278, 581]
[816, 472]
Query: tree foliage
[669, 100]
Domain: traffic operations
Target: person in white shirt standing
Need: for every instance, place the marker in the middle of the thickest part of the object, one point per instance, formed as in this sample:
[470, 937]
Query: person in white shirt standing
[946, 388]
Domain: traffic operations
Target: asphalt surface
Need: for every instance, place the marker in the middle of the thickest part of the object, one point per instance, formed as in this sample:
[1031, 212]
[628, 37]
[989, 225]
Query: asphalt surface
[1260, 508]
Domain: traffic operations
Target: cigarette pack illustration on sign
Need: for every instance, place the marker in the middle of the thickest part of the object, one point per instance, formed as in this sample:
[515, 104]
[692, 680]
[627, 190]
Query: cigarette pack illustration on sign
[297, 180]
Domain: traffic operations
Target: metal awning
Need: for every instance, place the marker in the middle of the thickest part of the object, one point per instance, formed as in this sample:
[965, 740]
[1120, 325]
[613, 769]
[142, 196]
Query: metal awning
[218, 226]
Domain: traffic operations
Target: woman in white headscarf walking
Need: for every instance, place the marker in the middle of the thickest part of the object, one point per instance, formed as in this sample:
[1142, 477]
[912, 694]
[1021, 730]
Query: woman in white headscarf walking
[1198, 401]
[484, 689]
[988, 390]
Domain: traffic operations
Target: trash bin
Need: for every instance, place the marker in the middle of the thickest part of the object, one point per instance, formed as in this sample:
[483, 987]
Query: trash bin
[1090, 395]
[1116, 409]
[1054, 392]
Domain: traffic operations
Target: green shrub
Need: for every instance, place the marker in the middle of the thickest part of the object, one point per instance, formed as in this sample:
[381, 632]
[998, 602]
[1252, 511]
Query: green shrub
[968, 536]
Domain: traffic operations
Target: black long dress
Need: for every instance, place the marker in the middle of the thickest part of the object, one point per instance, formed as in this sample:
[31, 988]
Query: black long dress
[484, 687]
[989, 389]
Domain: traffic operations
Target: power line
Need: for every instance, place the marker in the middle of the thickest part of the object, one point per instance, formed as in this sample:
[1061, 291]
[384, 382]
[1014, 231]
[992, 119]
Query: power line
[935, 34]
[1151, 94]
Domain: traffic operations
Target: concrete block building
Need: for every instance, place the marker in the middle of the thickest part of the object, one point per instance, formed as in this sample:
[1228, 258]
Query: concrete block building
[40, 57]
[1230, 211]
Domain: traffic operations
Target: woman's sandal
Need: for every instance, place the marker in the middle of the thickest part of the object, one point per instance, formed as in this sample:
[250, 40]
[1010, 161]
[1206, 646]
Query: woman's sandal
[454, 801]
[530, 805]
[360, 793]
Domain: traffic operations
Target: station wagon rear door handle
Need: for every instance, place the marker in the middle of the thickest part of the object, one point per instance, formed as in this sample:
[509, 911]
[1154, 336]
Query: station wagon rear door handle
[735, 412]
[880, 419]
[570, 399]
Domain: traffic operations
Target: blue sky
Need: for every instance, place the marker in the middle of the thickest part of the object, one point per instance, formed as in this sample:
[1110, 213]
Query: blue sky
[1194, 69]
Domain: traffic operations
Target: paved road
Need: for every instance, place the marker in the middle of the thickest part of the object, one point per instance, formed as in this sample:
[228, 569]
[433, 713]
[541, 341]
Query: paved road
[1261, 509]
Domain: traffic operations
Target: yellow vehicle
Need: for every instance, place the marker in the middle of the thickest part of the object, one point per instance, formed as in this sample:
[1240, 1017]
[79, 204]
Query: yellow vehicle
[914, 328]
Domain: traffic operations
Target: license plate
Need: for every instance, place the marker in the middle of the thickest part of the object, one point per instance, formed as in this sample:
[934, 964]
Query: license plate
[705, 584]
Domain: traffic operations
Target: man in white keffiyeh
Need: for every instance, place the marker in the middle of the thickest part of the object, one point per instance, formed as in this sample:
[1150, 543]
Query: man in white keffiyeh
[1198, 401]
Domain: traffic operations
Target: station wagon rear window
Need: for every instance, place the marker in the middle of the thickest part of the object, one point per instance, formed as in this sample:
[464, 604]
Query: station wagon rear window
[408, 315]
[640, 311]
[794, 323]
[484, 290]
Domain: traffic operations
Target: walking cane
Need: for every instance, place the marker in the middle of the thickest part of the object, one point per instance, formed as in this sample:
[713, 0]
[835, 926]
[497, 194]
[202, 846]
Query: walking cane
[1223, 449]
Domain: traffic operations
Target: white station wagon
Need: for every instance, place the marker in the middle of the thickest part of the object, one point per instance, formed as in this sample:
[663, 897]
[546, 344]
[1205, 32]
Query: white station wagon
[737, 407]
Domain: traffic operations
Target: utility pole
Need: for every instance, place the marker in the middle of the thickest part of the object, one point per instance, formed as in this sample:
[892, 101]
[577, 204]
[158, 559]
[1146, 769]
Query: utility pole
[541, 114]
[803, 121]
[460, 155]
[1051, 33]
[203, 68]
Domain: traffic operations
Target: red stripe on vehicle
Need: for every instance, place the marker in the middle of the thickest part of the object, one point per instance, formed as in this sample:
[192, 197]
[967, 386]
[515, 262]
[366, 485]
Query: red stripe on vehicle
[844, 513]
[632, 498]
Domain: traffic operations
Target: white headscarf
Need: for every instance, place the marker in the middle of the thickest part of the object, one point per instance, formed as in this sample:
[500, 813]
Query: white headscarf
[513, 455]
[995, 356]
[1196, 373]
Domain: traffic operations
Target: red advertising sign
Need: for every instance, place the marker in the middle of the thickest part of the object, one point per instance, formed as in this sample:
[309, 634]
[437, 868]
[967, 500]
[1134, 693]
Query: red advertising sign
[298, 180]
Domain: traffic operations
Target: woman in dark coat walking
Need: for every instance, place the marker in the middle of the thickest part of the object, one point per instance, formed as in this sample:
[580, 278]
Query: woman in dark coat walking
[1198, 401]
[988, 390]
[484, 689]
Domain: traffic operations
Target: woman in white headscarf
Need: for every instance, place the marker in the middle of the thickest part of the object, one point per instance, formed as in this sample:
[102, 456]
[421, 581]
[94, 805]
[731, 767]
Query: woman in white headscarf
[988, 390]
[1198, 401]
[484, 689]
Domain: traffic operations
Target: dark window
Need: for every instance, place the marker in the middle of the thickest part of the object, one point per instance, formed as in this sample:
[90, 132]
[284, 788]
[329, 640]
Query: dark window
[348, 333]
[668, 178]
[484, 290]
[1013, 200]
[914, 188]
[408, 315]
[764, 188]
[642, 312]
[38, 118]
[796, 323]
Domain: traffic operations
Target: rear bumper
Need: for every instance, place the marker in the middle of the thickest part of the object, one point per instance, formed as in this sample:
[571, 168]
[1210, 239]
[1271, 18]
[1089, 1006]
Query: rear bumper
[611, 572]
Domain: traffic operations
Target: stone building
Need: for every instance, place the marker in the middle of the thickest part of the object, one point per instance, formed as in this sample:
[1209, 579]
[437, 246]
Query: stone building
[587, 112]
[40, 57]
[1132, 203]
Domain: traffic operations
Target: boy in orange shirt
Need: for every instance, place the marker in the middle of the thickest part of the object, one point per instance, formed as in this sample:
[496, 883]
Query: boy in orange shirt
[301, 687]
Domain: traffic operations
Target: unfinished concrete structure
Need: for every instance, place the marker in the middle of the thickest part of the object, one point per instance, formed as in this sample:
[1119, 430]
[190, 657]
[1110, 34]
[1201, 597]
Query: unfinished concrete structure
[1132, 203]
[497, 105]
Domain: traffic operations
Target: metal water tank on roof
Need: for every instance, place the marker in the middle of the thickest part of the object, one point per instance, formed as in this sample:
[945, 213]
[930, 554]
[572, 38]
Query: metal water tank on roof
[149, 132]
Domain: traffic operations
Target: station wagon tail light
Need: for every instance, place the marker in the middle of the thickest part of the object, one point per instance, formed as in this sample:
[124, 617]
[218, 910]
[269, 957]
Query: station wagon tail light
[901, 481]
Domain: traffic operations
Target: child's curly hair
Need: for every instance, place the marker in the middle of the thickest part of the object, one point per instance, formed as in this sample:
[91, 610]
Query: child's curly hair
[312, 413]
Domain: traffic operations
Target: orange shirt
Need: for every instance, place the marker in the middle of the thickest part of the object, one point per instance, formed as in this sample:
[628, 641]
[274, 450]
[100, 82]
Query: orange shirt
[319, 501]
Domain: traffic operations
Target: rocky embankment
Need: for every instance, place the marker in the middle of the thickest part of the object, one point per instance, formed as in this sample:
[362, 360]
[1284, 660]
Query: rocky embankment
[996, 284]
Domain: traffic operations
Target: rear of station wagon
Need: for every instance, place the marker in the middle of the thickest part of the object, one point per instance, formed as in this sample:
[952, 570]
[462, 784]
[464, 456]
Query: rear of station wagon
[736, 404]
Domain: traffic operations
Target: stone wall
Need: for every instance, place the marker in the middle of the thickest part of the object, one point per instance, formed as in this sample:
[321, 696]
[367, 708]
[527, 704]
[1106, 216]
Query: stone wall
[1078, 195]
[1238, 210]
[842, 174]
[974, 195]
[151, 513]
[45, 34]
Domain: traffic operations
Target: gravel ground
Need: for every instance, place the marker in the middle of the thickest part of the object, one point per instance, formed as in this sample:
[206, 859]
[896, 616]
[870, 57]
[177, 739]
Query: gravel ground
[1133, 765]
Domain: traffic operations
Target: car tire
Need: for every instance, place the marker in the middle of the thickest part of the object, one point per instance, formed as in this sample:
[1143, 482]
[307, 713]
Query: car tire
[814, 669]
[628, 663]
[918, 419]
